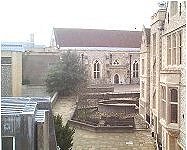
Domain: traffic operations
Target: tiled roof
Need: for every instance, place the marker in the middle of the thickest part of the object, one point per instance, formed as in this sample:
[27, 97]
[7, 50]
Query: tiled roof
[101, 49]
[73, 37]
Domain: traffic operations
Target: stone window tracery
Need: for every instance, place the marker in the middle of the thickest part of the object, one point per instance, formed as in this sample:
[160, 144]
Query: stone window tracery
[173, 105]
[116, 62]
[135, 69]
[96, 70]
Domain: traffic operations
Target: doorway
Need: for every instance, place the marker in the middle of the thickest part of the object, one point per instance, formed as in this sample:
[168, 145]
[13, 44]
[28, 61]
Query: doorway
[116, 79]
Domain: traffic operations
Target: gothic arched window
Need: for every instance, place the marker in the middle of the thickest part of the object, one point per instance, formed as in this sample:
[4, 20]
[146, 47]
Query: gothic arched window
[116, 79]
[135, 69]
[96, 70]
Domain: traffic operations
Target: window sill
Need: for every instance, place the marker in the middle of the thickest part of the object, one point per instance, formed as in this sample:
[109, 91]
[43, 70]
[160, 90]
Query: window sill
[173, 128]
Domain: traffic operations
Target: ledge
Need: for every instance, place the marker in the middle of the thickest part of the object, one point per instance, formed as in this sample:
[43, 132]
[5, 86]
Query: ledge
[101, 129]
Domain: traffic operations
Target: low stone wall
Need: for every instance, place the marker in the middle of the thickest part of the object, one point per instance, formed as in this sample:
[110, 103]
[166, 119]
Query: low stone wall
[124, 95]
[96, 89]
[34, 91]
[81, 125]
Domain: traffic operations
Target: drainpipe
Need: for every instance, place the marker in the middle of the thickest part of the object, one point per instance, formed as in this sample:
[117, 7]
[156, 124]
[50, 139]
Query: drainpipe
[130, 68]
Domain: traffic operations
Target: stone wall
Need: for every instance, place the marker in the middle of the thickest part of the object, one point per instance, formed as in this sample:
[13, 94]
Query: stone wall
[11, 66]
[6, 80]
[37, 65]
[34, 91]
[22, 127]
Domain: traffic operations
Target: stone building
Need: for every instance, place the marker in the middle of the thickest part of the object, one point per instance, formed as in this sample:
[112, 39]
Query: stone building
[11, 73]
[167, 76]
[110, 56]
[144, 101]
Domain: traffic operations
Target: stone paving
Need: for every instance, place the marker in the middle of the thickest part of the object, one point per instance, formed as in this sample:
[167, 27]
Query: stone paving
[121, 88]
[65, 106]
[88, 140]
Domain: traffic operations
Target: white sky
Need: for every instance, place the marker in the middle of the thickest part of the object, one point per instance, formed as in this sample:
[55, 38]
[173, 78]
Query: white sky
[20, 18]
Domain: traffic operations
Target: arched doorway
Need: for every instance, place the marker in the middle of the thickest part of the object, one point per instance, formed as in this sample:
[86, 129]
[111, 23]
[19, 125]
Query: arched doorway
[116, 79]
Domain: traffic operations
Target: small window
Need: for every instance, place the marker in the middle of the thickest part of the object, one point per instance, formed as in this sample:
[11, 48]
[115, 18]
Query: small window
[111, 59]
[8, 143]
[135, 69]
[180, 46]
[173, 105]
[6, 60]
[169, 50]
[96, 70]
[116, 79]
[174, 51]
[116, 62]
[82, 58]
[142, 66]
[163, 92]
[174, 96]
[180, 10]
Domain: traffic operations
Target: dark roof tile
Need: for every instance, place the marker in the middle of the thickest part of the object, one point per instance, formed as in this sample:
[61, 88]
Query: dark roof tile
[73, 37]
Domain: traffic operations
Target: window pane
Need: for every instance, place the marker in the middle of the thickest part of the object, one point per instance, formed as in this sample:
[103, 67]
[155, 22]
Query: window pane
[133, 74]
[174, 113]
[7, 143]
[174, 40]
[169, 42]
[164, 110]
[174, 97]
[137, 74]
[136, 66]
[94, 66]
[98, 67]
[169, 57]
[94, 75]
[6, 60]
[98, 75]
[163, 92]
[174, 56]
[180, 47]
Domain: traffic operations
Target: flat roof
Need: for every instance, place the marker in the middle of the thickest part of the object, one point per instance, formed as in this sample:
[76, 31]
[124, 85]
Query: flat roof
[20, 105]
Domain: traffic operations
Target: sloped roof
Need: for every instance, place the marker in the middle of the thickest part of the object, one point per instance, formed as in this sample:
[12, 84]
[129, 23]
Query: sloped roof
[74, 37]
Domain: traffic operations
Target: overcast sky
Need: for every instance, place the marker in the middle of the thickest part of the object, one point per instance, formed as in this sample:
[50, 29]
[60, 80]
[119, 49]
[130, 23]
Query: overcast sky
[20, 18]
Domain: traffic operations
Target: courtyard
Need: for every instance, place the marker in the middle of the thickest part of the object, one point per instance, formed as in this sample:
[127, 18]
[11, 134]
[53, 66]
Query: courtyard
[89, 140]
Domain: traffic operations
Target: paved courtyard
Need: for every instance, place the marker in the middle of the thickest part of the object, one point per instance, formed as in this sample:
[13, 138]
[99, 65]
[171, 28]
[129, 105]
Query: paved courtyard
[88, 140]
[121, 88]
